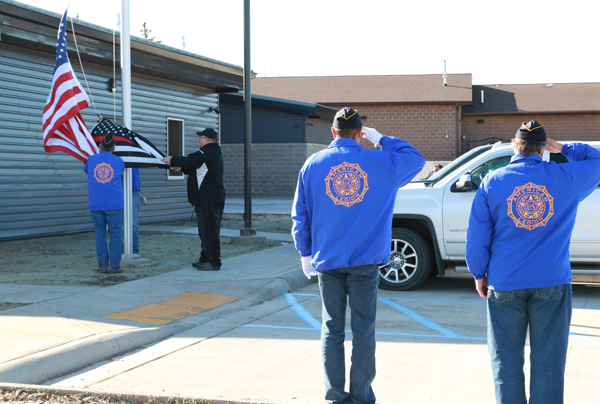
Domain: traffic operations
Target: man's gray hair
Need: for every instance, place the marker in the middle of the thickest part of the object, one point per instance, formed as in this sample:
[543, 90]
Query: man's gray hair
[522, 146]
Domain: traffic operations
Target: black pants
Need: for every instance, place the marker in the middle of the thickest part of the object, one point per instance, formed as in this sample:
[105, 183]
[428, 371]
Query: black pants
[209, 227]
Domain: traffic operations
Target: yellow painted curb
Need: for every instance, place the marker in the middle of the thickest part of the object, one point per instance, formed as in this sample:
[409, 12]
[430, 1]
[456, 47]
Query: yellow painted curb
[173, 308]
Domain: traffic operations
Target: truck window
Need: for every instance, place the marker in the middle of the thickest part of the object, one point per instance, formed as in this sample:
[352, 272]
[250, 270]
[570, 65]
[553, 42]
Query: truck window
[558, 158]
[480, 172]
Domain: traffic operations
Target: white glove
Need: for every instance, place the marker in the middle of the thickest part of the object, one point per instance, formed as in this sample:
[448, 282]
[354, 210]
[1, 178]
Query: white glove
[307, 266]
[372, 135]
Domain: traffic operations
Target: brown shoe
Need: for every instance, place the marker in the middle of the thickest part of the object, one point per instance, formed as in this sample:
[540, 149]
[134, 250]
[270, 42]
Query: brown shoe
[116, 271]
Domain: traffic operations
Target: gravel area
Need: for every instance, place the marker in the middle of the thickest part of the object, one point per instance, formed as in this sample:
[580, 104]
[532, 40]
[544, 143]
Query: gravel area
[25, 396]
[70, 259]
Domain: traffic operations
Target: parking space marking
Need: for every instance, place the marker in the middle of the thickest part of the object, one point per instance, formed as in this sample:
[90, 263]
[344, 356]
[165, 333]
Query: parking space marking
[420, 319]
[315, 325]
[583, 339]
[302, 312]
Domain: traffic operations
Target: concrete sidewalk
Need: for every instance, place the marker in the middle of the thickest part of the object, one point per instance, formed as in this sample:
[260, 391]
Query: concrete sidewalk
[66, 328]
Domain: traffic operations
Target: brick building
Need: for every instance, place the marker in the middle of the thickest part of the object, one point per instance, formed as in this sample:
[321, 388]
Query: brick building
[567, 111]
[445, 121]
[418, 108]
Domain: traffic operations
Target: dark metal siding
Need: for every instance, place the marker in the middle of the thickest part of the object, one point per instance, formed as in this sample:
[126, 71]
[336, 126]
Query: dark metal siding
[318, 131]
[268, 126]
[46, 193]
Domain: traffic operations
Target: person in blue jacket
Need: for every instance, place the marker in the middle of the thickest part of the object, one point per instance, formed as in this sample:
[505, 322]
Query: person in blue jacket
[518, 252]
[342, 214]
[135, 209]
[105, 189]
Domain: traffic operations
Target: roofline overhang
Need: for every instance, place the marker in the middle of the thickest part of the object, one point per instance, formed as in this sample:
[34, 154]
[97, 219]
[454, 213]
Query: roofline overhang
[387, 103]
[33, 28]
[580, 112]
[310, 110]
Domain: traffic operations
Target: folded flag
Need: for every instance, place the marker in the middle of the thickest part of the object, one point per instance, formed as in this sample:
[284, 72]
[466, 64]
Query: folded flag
[64, 128]
[135, 150]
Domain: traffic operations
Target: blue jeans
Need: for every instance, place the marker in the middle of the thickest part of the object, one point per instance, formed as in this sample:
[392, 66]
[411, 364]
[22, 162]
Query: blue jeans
[547, 312]
[114, 220]
[358, 286]
[135, 208]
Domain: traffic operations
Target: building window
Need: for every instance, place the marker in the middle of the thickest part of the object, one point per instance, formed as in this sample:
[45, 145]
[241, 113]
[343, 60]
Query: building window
[175, 143]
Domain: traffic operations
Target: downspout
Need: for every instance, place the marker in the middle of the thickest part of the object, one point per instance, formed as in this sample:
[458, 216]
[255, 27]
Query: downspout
[458, 130]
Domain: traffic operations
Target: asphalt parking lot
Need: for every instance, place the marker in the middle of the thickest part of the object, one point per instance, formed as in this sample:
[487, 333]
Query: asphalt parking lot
[431, 349]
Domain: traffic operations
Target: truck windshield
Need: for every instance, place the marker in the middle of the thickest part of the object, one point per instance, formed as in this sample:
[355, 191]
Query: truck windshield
[471, 154]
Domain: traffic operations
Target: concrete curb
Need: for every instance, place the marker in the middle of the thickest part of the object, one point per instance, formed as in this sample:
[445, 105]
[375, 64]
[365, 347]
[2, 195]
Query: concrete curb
[41, 366]
[115, 397]
[37, 368]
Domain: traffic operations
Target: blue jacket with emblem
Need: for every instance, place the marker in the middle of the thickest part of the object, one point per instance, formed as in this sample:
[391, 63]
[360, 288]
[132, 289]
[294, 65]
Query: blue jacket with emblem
[344, 201]
[523, 216]
[105, 181]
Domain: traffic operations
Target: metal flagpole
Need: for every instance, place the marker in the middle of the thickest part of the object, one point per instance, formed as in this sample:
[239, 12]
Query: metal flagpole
[126, 110]
[248, 230]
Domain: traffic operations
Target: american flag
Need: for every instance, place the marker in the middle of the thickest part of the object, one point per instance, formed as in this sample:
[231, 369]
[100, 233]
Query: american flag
[135, 150]
[64, 128]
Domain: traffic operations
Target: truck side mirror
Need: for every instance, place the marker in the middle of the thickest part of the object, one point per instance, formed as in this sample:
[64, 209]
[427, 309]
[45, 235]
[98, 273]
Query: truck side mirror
[464, 183]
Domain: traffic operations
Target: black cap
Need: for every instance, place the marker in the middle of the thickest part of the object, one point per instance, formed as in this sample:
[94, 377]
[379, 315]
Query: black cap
[108, 142]
[347, 118]
[208, 132]
[532, 131]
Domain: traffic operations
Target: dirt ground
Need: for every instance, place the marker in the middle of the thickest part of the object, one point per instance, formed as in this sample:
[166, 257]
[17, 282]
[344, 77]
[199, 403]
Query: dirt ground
[70, 260]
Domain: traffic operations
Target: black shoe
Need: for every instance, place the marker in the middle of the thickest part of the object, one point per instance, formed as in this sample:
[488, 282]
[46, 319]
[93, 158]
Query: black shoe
[205, 266]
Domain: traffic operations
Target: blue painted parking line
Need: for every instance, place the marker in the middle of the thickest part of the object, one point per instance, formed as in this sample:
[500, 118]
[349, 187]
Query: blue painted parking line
[420, 319]
[404, 334]
[436, 300]
[444, 332]
[302, 312]
[276, 326]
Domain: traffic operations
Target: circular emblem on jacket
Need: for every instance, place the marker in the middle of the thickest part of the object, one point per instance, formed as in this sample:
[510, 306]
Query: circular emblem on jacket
[346, 184]
[530, 206]
[103, 173]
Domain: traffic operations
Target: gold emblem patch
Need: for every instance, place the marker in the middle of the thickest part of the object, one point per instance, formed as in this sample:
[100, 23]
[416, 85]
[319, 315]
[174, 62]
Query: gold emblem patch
[103, 173]
[346, 184]
[530, 206]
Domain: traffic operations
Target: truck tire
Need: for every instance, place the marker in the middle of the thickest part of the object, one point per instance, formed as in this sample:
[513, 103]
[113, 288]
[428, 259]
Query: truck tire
[410, 261]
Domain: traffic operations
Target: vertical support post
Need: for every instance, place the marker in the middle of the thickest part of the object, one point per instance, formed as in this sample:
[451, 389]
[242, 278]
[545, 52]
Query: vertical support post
[248, 230]
[126, 111]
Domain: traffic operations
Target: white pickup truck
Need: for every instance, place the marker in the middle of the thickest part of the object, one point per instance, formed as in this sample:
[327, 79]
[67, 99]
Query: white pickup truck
[429, 228]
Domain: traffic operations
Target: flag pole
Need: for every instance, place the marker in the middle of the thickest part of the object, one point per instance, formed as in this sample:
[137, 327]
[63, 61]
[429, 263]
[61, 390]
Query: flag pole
[247, 230]
[126, 110]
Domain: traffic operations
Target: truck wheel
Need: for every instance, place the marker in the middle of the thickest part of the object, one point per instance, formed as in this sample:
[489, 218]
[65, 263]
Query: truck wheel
[410, 262]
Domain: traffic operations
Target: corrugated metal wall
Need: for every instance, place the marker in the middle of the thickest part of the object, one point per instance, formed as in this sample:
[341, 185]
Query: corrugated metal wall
[268, 125]
[319, 131]
[46, 193]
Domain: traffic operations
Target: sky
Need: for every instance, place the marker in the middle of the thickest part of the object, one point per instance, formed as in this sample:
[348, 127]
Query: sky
[498, 42]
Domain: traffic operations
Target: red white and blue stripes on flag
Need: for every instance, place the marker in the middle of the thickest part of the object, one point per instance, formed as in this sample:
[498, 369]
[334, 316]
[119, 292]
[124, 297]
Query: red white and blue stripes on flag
[64, 128]
[135, 150]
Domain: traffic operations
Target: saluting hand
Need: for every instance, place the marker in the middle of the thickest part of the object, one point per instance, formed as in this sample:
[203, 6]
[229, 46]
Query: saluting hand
[553, 146]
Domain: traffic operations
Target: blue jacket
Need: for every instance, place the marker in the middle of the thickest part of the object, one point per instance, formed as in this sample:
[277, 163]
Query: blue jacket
[135, 179]
[523, 216]
[105, 181]
[344, 201]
